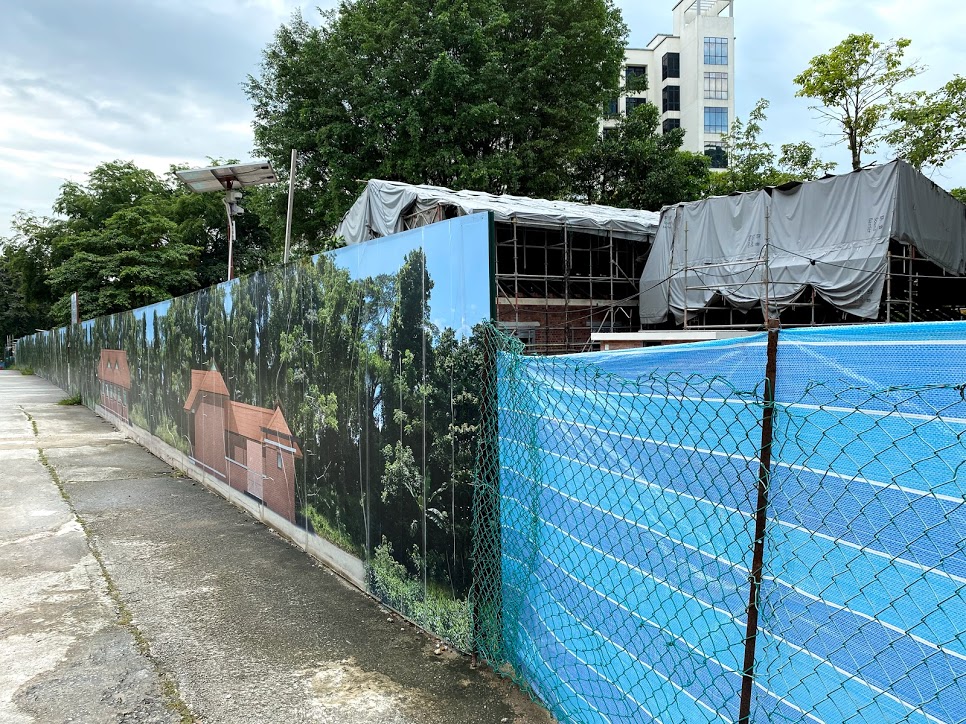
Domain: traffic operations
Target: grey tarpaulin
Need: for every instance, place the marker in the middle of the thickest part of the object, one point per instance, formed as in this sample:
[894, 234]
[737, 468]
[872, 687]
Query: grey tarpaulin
[387, 207]
[832, 234]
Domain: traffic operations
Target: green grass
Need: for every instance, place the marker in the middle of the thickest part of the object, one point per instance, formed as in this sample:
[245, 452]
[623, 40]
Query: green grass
[72, 400]
[26, 370]
[324, 528]
[436, 610]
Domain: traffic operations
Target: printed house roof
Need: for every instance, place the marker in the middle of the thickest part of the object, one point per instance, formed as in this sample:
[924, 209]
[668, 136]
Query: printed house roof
[253, 423]
[114, 369]
[205, 381]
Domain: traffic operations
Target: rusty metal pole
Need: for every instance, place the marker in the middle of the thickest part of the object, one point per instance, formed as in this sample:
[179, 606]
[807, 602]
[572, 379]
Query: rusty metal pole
[761, 521]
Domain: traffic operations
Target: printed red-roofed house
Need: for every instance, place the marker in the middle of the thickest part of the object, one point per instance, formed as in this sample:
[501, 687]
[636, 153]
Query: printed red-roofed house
[251, 448]
[114, 375]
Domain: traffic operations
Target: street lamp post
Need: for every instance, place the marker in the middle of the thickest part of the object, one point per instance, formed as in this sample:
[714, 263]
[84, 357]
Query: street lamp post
[231, 180]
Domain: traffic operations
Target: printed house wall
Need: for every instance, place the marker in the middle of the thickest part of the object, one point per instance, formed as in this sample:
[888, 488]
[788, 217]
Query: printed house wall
[114, 376]
[340, 393]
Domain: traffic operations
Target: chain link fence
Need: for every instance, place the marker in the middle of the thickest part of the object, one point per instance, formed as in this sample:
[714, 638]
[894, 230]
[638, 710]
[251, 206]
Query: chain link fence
[650, 548]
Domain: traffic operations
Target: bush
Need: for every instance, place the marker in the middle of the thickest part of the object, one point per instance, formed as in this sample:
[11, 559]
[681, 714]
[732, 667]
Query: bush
[26, 370]
[333, 533]
[72, 400]
[436, 611]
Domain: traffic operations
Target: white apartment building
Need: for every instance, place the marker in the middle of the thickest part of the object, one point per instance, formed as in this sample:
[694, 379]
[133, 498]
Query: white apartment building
[690, 76]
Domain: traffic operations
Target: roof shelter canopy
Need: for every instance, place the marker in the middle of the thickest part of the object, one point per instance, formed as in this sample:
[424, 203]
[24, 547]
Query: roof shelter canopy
[384, 207]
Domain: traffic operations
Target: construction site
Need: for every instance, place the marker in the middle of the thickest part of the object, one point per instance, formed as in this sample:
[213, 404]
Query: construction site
[884, 244]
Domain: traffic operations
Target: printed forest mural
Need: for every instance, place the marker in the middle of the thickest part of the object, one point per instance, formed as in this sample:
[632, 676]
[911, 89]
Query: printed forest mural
[343, 392]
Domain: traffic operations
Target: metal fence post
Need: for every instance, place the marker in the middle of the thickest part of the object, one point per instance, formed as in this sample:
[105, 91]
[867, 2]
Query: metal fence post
[761, 519]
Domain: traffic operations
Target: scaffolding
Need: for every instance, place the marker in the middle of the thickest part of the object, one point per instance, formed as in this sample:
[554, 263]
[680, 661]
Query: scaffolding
[915, 290]
[556, 285]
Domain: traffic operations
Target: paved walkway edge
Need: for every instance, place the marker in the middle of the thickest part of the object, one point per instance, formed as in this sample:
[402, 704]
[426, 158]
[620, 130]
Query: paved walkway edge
[346, 565]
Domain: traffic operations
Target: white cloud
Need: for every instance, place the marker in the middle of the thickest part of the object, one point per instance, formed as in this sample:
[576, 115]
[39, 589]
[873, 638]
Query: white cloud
[159, 81]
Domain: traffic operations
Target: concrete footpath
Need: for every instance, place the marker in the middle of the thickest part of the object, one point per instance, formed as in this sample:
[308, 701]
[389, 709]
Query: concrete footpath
[130, 594]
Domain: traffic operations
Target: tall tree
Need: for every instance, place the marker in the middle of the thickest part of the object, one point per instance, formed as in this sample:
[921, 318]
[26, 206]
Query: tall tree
[633, 165]
[117, 248]
[932, 126]
[25, 296]
[753, 164]
[495, 95]
[856, 84]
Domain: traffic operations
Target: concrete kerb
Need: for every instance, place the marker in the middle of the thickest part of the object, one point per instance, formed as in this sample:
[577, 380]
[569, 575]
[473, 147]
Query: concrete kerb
[346, 565]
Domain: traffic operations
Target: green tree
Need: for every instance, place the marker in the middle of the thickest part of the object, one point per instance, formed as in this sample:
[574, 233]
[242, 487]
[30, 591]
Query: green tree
[118, 248]
[633, 165]
[960, 194]
[25, 296]
[495, 95]
[932, 126]
[753, 164]
[856, 84]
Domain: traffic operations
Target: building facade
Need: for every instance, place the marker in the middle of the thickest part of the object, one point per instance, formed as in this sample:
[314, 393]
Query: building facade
[250, 448]
[114, 378]
[689, 76]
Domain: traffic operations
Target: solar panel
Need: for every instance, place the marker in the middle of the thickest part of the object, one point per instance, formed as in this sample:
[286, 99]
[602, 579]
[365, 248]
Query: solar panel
[220, 178]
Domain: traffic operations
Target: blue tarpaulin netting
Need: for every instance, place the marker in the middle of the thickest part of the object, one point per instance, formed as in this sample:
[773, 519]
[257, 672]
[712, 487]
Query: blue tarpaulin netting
[626, 494]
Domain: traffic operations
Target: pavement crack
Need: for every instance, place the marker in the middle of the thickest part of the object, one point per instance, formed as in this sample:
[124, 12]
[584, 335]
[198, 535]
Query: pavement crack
[169, 687]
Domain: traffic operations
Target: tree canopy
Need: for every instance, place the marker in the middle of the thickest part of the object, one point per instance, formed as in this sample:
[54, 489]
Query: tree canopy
[753, 163]
[124, 239]
[494, 95]
[633, 165]
[855, 82]
[932, 126]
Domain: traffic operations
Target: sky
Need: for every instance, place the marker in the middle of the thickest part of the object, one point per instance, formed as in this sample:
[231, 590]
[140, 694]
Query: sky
[160, 81]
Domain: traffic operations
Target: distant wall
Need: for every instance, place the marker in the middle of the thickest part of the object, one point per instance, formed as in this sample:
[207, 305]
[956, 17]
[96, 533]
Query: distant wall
[336, 399]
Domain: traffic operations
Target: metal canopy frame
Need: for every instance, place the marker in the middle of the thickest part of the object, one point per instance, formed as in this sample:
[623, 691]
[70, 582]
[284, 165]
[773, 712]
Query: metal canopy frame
[229, 179]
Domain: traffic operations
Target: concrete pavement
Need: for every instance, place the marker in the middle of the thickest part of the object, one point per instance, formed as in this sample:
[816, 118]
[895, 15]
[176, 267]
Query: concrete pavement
[131, 594]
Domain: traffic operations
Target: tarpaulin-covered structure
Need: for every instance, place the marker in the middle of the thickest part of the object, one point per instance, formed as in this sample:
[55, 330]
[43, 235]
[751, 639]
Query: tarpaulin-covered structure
[388, 207]
[563, 270]
[832, 235]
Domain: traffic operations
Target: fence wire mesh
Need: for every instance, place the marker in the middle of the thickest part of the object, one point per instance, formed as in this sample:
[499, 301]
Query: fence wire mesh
[615, 533]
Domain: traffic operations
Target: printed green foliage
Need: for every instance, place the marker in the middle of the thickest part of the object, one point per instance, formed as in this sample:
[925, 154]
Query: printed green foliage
[436, 610]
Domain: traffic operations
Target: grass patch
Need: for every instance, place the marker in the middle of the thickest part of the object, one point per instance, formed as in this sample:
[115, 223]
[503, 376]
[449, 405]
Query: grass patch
[72, 400]
[332, 533]
[436, 610]
[26, 370]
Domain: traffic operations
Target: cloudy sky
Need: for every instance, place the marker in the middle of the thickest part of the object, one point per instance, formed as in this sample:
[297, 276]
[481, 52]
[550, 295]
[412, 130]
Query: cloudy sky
[159, 81]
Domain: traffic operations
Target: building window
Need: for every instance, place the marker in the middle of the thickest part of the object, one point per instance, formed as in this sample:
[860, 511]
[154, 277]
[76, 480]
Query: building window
[635, 78]
[671, 66]
[715, 120]
[716, 86]
[671, 96]
[716, 51]
[279, 461]
[612, 108]
[670, 124]
[714, 151]
[634, 103]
